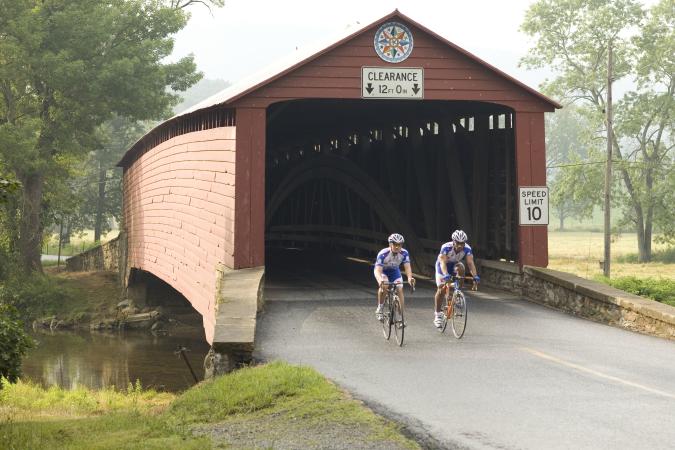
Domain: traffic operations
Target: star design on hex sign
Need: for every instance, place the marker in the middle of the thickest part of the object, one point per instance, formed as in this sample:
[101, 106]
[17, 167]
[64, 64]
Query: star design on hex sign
[393, 42]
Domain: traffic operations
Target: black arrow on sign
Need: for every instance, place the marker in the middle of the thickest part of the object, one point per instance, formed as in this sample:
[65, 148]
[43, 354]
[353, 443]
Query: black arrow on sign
[415, 89]
[369, 88]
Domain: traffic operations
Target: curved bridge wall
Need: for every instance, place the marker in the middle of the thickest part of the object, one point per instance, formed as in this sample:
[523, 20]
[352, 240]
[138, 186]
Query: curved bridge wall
[179, 214]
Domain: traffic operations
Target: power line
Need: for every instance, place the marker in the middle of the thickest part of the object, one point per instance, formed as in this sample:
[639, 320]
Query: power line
[617, 161]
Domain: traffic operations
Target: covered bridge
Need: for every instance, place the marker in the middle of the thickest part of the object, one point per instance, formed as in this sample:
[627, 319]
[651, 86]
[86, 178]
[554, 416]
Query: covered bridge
[389, 128]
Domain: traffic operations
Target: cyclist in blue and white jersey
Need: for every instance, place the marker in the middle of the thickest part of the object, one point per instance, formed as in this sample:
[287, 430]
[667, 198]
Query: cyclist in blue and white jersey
[387, 269]
[449, 262]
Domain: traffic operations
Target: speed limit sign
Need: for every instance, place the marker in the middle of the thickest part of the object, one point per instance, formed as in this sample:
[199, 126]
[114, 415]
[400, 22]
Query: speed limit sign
[534, 205]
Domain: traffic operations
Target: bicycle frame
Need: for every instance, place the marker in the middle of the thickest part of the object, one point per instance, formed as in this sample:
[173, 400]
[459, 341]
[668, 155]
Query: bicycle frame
[457, 318]
[393, 312]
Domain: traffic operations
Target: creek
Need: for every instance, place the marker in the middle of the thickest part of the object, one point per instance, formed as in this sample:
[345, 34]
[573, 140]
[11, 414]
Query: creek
[97, 360]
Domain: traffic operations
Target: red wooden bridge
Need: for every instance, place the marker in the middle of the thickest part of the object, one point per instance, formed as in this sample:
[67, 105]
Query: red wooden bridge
[307, 155]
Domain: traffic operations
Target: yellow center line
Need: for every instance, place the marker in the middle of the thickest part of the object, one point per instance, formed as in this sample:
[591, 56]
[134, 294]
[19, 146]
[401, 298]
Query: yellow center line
[597, 374]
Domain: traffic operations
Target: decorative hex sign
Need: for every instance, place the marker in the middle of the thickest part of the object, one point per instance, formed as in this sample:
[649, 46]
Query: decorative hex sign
[393, 42]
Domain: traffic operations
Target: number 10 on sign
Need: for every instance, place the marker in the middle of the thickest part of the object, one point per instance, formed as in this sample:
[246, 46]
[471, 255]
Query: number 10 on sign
[533, 205]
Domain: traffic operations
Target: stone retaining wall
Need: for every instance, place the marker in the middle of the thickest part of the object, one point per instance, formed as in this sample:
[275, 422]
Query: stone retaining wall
[581, 297]
[103, 257]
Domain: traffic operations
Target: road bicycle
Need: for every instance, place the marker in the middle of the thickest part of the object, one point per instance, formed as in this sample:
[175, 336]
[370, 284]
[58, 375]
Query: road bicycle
[392, 314]
[455, 309]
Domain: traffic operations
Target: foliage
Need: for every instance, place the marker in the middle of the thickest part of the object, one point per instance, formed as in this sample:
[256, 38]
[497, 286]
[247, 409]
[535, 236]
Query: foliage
[575, 185]
[66, 67]
[37, 295]
[13, 343]
[659, 289]
[573, 38]
[7, 187]
[99, 185]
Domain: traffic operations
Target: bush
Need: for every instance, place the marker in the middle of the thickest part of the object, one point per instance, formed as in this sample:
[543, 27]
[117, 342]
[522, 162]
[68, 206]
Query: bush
[13, 343]
[35, 295]
[659, 289]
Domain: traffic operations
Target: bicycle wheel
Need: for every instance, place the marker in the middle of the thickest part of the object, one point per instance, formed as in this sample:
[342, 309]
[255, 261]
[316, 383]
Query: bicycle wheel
[386, 319]
[459, 314]
[447, 311]
[399, 325]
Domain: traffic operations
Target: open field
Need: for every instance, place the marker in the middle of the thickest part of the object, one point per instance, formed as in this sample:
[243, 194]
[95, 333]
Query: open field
[580, 253]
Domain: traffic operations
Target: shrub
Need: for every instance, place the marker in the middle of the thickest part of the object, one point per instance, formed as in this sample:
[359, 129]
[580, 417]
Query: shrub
[659, 289]
[13, 343]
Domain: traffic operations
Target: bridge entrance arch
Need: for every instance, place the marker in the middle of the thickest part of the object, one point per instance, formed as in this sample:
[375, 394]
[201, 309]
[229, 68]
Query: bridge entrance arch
[346, 173]
[305, 151]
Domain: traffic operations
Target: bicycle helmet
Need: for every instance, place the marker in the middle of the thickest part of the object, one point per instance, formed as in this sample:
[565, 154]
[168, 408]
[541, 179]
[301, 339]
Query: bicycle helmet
[396, 239]
[459, 236]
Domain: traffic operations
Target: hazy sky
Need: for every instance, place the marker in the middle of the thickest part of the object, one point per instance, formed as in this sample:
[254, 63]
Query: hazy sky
[247, 35]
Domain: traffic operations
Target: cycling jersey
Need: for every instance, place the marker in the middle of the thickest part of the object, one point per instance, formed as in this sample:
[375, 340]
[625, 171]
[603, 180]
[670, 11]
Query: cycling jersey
[391, 262]
[453, 257]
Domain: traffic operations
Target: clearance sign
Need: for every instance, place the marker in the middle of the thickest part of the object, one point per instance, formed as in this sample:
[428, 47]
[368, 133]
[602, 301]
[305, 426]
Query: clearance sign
[533, 205]
[392, 82]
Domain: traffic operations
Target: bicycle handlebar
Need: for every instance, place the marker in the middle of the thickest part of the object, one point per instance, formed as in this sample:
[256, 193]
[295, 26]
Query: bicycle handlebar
[400, 283]
[474, 286]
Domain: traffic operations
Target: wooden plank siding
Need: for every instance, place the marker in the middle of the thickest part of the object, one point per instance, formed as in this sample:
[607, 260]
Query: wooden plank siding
[336, 74]
[179, 202]
[448, 75]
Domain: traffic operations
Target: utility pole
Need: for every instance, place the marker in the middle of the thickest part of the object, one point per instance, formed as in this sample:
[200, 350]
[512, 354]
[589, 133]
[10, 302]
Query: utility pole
[608, 168]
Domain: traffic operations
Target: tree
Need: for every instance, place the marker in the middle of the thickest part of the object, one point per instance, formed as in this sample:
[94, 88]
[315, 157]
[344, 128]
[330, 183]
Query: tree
[575, 185]
[572, 37]
[66, 66]
[102, 184]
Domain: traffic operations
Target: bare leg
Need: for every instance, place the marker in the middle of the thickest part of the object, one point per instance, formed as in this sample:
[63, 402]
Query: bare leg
[380, 296]
[399, 291]
[437, 299]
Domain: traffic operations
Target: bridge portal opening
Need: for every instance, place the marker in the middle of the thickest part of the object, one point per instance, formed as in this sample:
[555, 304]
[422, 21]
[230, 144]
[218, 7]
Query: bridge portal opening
[343, 174]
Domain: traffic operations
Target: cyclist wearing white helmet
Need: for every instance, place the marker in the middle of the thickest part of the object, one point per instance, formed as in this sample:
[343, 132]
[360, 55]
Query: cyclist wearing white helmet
[387, 269]
[449, 262]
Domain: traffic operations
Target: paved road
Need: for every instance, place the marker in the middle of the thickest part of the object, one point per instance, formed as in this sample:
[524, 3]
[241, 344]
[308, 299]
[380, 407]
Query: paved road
[524, 376]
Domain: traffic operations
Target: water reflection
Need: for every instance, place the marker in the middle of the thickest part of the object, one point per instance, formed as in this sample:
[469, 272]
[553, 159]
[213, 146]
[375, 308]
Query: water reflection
[100, 360]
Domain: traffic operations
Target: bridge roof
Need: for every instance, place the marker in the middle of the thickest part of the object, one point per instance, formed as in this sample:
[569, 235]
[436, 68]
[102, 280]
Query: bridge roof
[305, 55]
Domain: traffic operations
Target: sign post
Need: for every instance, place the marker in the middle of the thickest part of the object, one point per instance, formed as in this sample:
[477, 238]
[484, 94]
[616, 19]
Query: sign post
[392, 82]
[533, 205]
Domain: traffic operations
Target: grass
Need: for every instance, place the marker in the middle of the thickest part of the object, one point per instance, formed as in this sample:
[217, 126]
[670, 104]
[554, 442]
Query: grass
[580, 253]
[280, 401]
[68, 295]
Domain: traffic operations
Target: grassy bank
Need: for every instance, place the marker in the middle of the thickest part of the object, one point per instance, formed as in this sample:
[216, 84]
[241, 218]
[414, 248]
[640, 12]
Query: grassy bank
[261, 407]
[72, 296]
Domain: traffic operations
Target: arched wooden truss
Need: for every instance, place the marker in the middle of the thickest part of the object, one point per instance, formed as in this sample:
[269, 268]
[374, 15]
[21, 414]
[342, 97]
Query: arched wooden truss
[331, 185]
[421, 173]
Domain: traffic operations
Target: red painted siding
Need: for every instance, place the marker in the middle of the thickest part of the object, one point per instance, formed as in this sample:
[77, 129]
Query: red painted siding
[250, 188]
[531, 171]
[448, 75]
[179, 213]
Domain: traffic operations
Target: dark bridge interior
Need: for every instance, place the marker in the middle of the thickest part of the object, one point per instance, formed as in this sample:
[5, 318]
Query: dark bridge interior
[346, 173]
